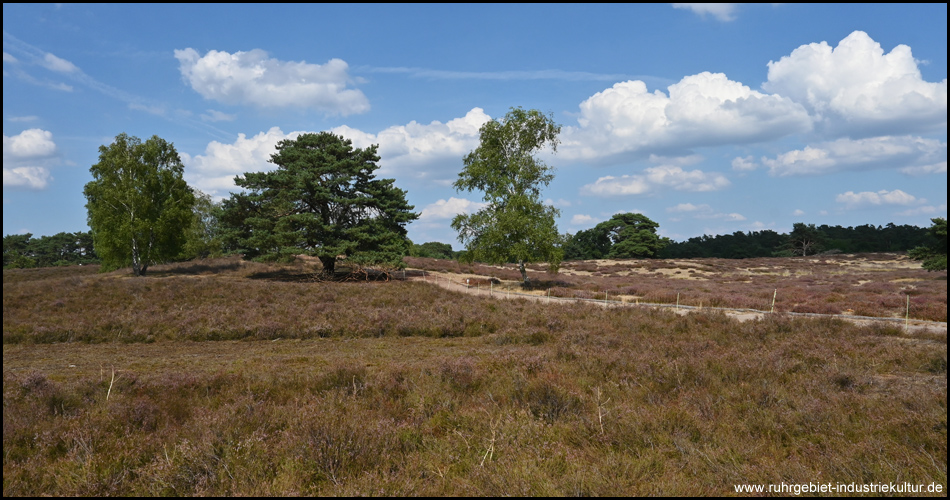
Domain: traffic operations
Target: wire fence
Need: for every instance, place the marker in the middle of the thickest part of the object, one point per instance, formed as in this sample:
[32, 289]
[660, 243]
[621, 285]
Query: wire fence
[489, 289]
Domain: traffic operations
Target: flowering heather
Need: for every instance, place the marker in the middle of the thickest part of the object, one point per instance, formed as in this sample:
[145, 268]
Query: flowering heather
[244, 379]
[876, 285]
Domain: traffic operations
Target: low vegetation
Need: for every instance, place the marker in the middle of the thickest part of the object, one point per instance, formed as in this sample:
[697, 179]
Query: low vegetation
[228, 377]
[875, 285]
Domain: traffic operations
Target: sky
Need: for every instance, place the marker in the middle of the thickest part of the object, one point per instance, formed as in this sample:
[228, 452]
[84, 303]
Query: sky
[706, 118]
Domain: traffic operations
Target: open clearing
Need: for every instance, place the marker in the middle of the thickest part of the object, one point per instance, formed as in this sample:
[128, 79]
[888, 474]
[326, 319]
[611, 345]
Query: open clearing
[233, 378]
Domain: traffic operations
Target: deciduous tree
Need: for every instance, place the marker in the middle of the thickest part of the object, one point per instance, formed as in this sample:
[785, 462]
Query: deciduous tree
[138, 203]
[515, 225]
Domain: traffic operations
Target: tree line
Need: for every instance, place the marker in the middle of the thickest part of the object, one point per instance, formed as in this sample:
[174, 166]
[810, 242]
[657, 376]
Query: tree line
[804, 239]
[61, 249]
[323, 200]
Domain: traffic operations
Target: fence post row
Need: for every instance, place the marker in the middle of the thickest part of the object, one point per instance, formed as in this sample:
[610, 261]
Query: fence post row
[491, 292]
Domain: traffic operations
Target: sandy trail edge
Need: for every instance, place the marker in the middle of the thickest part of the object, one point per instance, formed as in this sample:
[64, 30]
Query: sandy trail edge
[456, 283]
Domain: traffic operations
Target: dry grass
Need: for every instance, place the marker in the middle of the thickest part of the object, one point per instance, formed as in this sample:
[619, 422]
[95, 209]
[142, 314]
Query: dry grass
[876, 285]
[404, 389]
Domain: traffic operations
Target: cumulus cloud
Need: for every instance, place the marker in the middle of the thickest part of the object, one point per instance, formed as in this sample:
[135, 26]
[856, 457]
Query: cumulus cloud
[581, 219]
[721, 11]
[744, 164]
[703, 212]
[422, 152]
[883, 197]
[26, 157]
[655, 178]
[213, 172]
[936, 168]
[925, 210]
[430, 152]
[27, 177]
[254, 78]
[688, 207]
[29, 144]
[913, 155]
[701, 110]
[448, 209]
[855, 88]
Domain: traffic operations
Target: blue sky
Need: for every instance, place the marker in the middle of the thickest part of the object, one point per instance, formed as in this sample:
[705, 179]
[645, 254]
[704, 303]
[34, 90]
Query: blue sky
[709, 119]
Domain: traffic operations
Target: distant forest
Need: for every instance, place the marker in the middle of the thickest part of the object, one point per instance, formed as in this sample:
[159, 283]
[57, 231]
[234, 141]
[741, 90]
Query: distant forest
[23, 251]
[828, 239]
[62, 249]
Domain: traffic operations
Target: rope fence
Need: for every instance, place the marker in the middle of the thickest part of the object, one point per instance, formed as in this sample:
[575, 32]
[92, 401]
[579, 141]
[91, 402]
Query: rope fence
[489, 290]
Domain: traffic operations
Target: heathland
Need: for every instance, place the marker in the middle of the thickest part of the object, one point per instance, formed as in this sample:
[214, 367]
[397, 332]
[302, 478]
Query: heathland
[227, 377]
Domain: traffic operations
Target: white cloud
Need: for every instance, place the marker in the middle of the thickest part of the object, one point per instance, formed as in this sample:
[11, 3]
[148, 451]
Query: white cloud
[862, 154]
[54, 63]
[925, 210]
[254, 78]
[581, 219]
[701, 110]
[703, 212]
[654, 178]
[214, 171]
[25, 157]
[18, 119]
[744, 164]
[798, 212]
[28, 177]
[29, 144]
[936, 168]
[419, 152]
[447, 209]
[217, 116]
[8, 58]
[430, 152]
[856, 88]
[721, 11]
[688, 207]
[870, 199]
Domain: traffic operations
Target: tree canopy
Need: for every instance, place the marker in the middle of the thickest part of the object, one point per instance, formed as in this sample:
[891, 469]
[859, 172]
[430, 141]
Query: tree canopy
[323, 200]
[623, 236]
[805, 239]
[515, 225]
[138, 203]
[633, 236]
[934, 257]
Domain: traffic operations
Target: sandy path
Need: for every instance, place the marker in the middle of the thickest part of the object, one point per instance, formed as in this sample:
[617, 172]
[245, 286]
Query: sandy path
[457, 283]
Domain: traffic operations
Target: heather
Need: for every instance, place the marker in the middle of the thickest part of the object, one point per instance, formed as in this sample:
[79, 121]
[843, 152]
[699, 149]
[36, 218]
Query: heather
[875, 285]
[234, 378]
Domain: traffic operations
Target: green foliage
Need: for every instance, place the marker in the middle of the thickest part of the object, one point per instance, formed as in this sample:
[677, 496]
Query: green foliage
[934, 257]
[322, 200]
[633, 236]
[61, 249]
[866, 238]
[805, 239]
[203, 236]
[432, 250]
[138, 203]
[624, 236]
[515, 225]
[588, 244]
